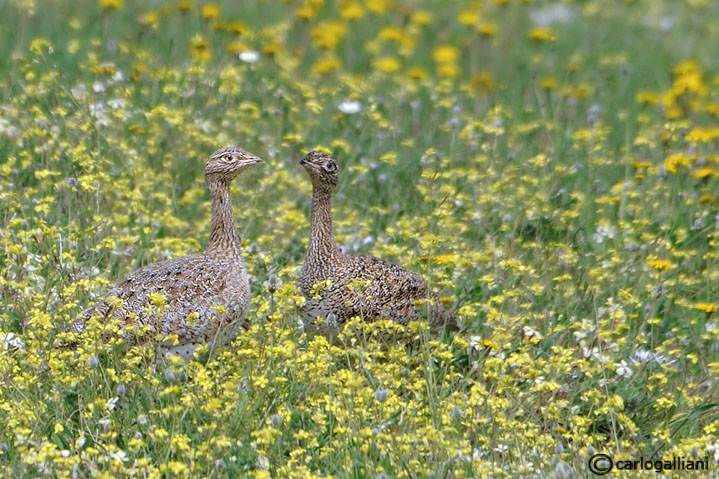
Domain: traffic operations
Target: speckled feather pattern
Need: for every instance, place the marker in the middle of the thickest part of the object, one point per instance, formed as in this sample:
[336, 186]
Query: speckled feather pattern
[192, 284]
[206, 294]
[393, 292]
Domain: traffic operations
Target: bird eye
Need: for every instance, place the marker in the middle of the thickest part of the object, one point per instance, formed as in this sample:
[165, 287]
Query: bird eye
[331, 166]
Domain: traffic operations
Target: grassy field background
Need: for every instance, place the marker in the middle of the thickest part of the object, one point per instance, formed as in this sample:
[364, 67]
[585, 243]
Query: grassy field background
[550, 167]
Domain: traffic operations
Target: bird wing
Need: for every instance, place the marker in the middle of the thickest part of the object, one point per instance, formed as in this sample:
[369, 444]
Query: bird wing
[391, 292]
[191, 284]
[390, 279]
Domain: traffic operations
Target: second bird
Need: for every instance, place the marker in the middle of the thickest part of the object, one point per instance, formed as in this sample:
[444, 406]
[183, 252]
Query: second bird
[363, 286]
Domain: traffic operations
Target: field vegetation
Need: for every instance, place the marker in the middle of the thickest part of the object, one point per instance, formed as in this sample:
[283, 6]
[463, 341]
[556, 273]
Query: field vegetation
[550, 167]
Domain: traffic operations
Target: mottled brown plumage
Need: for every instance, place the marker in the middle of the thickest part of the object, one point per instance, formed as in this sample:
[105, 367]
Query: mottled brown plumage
[363, 286]
[206, 294]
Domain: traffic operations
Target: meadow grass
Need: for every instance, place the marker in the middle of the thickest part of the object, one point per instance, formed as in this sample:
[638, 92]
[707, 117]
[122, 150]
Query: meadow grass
[552, 168]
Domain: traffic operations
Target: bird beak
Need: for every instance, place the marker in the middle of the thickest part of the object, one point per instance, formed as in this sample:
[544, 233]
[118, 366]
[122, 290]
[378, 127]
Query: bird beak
[303, 161]
[253, 160]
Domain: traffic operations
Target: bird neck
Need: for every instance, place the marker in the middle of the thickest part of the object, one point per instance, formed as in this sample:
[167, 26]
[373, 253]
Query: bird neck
[322, 239]
[223, 231]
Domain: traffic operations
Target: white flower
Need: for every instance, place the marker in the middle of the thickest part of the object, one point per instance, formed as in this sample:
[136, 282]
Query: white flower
[249, 56]
[556, 13]
[119, 455]
[111, 403]
[579, 335]
[79, 92]
[604, 232]
[9, 340]
[116, 103]
[713, 449]
[501, 448]
[479, 454]
[262, 462]
[623, 369]
[531, 332]
[474, 344]
[350, 107]
[643, 356]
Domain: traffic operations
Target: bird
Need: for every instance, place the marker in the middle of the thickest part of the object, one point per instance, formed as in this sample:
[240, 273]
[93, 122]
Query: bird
[201, 298]
[338, 287]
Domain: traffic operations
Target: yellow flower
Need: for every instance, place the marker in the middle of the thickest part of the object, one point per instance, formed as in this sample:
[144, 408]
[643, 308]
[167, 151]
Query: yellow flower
[701, 134]
[712, 109]
[687, 67]
[422, 17]
[184, 5]
[541, 34]
[704, 173]
[237, 47]
[640, 165]
[417, 73]
[388, 64]
[328, 34]
[40, 46]
[448, 70]
[648, 97]
[149, 19]
[107, 69]
[482, 82]
[306, 11]
[487, 29]
[549, 83]
[198, 43]
[445, 54]
[377, 6]
[688, 78]
[238, 28]
[157, 299]
[210, 11]
[468, 17]
[708, 308]
[391, 33]
[352, 11]
[111, 4]
[676, 161]
[327, 65]
[660, 264]
[271, 48]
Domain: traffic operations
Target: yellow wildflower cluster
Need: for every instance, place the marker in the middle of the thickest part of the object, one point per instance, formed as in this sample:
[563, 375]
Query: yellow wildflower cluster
[552, 170]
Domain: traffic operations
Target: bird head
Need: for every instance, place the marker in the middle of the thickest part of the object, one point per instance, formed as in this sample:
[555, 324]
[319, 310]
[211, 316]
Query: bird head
[322, 168]
[228, 162]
